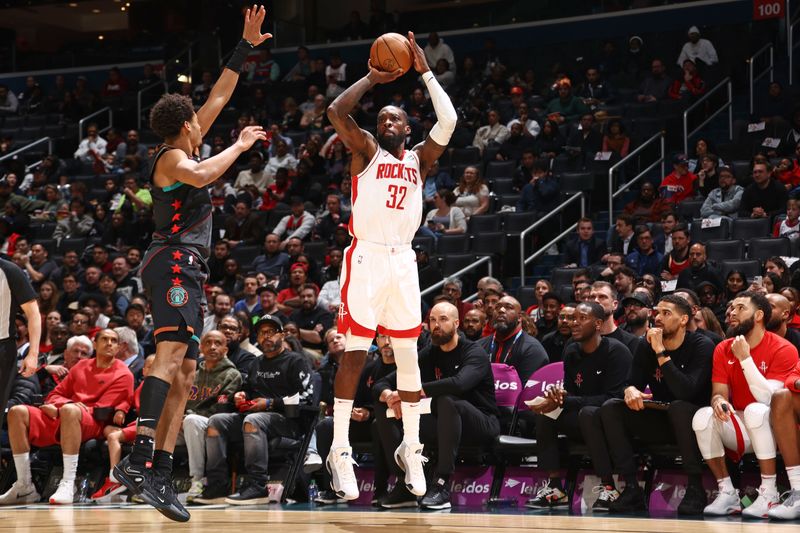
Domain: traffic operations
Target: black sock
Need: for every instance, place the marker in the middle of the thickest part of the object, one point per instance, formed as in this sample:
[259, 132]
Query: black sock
[555, 482]
[162, 463]
[153, 395]
[631, 481]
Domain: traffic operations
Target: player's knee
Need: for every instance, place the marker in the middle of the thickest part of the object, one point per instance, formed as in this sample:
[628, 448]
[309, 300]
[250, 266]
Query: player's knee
[356, 343]
[445, 404]
[249, 428]
[69, 411]
[702, 419]
[781, 401]
[114, 436]
[212, 431]
[18, 413]
[756, 415]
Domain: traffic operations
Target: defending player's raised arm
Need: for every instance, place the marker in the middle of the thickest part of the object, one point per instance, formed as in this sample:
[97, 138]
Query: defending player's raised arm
[439, 136]
[225, 85]
[179, 166]
[358, 141]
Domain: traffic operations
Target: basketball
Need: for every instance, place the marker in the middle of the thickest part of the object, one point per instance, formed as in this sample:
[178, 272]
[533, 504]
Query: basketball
[391, 51]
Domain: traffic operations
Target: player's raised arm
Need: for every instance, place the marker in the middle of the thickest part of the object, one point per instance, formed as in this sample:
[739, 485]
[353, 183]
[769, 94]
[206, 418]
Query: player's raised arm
[439, 136]
[360, 142]
[225, 85]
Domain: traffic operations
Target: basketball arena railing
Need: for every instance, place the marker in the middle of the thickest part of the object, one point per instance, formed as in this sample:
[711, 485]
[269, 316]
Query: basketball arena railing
[658, 137]
[104, 111]
[28, 148]
[753, 77]
[466, 270]
[728, 104]
[141, 109]
[578, 196]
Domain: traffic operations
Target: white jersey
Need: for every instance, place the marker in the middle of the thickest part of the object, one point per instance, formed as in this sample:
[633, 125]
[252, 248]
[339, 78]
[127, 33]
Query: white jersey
[387, 199]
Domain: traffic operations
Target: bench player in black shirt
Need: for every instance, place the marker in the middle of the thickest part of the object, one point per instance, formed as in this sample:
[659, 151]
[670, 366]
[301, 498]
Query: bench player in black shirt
[173, 269]
[676, 364]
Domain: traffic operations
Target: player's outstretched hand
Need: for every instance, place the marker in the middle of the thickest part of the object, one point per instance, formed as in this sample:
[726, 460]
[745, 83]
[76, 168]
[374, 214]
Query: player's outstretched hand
[420, 63]
[253, 19]
[250, 135]
[382, 76]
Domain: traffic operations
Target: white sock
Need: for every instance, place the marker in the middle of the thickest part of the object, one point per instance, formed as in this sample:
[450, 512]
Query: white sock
[769, 483]
[725, 485]
[342, 409]
[70, 467]
[411, 412]
[793, 472]
[22, 462]
[111, 476]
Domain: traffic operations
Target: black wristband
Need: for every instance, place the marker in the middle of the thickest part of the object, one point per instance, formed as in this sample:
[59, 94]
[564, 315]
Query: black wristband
[239, 55]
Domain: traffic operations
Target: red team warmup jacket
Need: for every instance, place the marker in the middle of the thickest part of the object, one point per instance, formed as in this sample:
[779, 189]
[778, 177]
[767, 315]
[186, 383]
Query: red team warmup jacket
[95, 387]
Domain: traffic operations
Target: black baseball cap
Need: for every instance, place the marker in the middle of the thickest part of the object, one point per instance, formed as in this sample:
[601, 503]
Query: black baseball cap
[637, 297]
[270, 319]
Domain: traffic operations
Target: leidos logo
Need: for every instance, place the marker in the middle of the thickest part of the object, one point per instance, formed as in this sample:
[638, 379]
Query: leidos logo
[505, 385]
[472, 488]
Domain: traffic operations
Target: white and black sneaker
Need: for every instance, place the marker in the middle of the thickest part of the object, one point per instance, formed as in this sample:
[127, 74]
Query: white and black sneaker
[340, 465]
[328, 497]
[789, 509]
[411, 461]
[399, 498]
[20, 493]
[548, 497]
[606, 495]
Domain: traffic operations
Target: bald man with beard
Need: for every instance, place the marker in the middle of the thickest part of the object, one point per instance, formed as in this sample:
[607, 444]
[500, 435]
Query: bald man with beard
[510, 344]
[779, 322]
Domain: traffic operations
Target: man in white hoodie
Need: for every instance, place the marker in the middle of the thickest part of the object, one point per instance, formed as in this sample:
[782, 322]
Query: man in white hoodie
[698, 49]
[436, 49]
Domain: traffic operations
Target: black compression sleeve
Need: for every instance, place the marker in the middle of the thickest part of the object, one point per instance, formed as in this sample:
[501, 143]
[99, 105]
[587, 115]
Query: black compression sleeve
[239, 55]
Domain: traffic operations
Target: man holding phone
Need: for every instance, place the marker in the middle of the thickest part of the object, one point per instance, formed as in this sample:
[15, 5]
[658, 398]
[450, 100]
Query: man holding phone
[676, 364]
[748, 367]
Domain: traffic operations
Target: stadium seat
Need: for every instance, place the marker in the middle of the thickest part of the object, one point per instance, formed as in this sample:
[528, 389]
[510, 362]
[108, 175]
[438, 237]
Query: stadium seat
[503, 186]
[749, 268]
[317, 250]
[79, 245]
[750, 228]
[762, 248]
[502, 200]
[452, 244]
[516, 222]
[454, 262]
[499, 169]
[700, 234]
[571, 182]
[49, 245]
[526, 297]
[426, 242]
[562, 276]
[688, 210]
[741, 169]
[465, 156]
[245, 254]
[489, 242]
[479, 223]
[719, 250]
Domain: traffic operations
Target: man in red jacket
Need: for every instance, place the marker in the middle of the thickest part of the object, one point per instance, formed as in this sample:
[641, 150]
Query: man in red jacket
[679, 184]
[71, 414]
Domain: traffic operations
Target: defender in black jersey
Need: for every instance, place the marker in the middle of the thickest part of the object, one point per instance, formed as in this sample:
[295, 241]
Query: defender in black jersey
[174, 270]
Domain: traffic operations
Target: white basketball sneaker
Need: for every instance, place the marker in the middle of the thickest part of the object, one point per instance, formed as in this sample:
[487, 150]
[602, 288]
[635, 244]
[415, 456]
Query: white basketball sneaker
[20, 493]
[64, 494]
[343, 479]
[789, 509]
[760, 507]
[726, 503]
[410, 460]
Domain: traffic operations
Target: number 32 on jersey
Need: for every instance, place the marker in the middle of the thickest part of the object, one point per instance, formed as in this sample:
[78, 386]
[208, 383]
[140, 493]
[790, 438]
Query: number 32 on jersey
[397, 195]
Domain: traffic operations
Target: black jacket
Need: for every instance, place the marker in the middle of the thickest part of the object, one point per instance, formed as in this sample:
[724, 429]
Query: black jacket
[572, 253]
[591, 379]
[275, 378]
[525, 354]
[772, 199]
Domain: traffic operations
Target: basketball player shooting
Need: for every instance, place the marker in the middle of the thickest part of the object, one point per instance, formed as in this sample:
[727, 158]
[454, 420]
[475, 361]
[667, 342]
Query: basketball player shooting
[380, 287]
[173, 269]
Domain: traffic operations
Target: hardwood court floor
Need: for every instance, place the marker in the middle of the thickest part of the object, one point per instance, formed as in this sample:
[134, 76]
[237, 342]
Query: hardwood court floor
[140, 519]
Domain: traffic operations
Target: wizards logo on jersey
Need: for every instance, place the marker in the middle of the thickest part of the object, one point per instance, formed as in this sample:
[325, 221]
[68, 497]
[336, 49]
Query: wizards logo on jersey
[177, 296]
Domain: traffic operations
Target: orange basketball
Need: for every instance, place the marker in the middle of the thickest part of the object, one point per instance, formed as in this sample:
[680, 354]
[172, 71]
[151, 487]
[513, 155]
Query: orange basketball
[391, 51]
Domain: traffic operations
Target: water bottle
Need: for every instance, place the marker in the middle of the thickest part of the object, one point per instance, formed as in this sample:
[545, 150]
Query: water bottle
[83, 490]
[312, 492]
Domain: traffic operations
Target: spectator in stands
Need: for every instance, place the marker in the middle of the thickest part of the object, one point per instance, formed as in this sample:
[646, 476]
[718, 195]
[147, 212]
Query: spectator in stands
[586, 249]
[474, 323]
[265, 69]
[699, 270]
[735, 283]
[566, 107]
[302, 69]
[697, 49]
[312, 321]
[57, 365]
[327, 224]
[689, 86]
[790, 226]
[644, 259]
[725, 200]
[516, 143]
[491, 133]
[745, 392]
[707, 174]
[524, 172]
[595, 91]
[92, 148]
[289, 298]
[778, 266]
[446, 218]
[39, 266]
[637, 308]
[131, 146]
[254, 175]
[130, 353]
[437, 179]
[273, 261]
[437, 49]
[556, 341]
[69, 417]
[608, 298]
[548, 314]
[530, 127]
[595, 370]
[472, 193]
[140, 199]
[220, 307]
[615, 140]
[622, 237]
[281, 159]
[791, 138]
[298, 224]
[115, 86]
[648, 207]
[778, 324]
[765, 197]
[584, 141]
[456, 374]
[690, 296]
[677, 260]
[680, 360]
[550, 142]
[541, 194]
[243, 226]
[249, 302]
[276, 192]
[679, 184]
[453, 289]
[230, 326]
[268, 297]
[655, 86]
[9, 104]
[276, 376]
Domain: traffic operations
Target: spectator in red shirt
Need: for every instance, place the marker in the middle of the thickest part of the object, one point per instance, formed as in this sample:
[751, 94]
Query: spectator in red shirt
[748, 367]
[678, 185]
[77, 410]
[115, 85]
[691, 85]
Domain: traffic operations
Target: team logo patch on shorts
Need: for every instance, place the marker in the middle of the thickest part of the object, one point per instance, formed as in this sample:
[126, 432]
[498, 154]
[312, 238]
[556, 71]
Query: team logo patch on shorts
[177, 296]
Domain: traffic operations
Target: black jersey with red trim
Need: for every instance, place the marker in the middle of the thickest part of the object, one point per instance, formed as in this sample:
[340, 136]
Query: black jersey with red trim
[181, 212]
